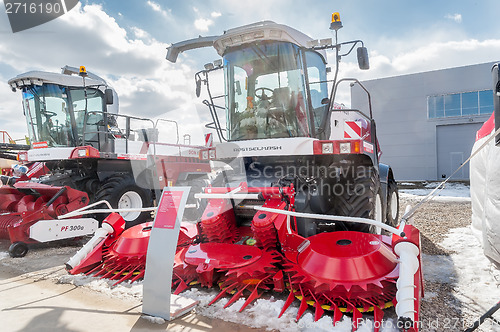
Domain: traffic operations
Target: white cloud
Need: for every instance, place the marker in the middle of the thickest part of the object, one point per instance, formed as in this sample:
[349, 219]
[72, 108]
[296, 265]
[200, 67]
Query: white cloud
[440, 55]
[203, 24]
[157, 8]
[139, 33]
[454, 17]
[432, 56]
[11, 111]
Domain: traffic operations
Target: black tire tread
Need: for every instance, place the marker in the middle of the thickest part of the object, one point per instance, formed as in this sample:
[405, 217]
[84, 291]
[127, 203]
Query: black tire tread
[363, 205]
[197, 186]
[392, 186]
[18, 249]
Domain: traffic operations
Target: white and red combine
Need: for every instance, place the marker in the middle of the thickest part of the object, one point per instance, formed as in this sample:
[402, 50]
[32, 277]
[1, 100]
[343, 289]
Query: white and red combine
[80, 142]
[303, 205]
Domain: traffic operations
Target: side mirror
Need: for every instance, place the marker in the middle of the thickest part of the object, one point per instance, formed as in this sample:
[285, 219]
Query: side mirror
[363, 61]
[238, 88]
[108, 96]
[198, 87]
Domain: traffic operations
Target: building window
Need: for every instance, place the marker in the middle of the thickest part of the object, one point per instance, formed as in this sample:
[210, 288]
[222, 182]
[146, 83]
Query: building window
[485, 102]
[460, 104]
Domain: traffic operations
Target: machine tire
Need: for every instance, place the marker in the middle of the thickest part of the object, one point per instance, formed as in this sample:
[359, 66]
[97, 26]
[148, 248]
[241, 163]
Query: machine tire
[122, 191]
[197, 186]
[392, 203]
[18, 249]
[358, 198]
[378, 214]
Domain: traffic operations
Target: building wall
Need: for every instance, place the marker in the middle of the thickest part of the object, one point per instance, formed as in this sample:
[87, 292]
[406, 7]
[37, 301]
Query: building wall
[408, 138]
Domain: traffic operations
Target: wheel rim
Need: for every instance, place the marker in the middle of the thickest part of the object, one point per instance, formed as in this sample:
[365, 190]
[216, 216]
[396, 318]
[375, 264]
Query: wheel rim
[394, 205]
[130, 200]
[378, 214]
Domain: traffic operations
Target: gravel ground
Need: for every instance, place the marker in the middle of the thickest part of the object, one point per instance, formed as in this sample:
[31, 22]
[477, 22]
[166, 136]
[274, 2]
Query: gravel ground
[435, 219]
[441, 310]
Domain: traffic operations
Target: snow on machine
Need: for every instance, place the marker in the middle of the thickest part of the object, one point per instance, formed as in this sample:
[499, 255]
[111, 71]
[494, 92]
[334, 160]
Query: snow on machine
[306, 209]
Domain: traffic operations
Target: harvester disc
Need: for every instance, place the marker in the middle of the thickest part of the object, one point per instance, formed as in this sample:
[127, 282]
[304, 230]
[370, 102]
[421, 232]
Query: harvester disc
[125, 259]
[345, 270]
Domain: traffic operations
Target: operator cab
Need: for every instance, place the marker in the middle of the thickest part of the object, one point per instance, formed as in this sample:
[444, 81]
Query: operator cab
[64, 110]
[274, 89]
[51, 109]
[275, 81]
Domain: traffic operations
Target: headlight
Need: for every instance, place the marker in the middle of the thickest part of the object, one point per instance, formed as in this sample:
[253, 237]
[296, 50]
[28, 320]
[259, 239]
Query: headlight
[345, 147]
[82, 153]
[211, 154]
[327, 148]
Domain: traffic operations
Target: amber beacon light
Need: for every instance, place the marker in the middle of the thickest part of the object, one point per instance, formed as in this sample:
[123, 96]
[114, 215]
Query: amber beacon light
[336, 23]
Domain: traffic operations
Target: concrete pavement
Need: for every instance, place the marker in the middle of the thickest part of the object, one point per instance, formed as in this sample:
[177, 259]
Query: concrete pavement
[33, 301]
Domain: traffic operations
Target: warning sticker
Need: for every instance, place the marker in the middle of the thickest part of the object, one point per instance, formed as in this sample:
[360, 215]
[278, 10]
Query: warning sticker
[167, 210]
[368, 147]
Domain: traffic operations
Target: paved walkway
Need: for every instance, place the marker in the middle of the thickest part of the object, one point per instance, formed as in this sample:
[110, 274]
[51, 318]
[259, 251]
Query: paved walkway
[34, 302]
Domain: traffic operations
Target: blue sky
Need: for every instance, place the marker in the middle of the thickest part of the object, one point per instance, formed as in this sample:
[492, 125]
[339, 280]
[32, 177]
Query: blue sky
[125, 42]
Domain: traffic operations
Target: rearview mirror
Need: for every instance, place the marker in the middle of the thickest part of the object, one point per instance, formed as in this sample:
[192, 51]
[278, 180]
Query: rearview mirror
[198, 87]
[108, 96]
[238, 88]
[363, 61]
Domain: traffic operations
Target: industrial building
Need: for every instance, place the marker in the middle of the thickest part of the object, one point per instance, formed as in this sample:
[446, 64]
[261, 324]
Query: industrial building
[427, 122]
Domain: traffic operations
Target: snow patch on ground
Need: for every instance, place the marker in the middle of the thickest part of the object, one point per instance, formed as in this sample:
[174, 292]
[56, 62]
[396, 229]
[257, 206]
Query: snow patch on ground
[476, 286]
[124, 290]
[3, 254]
[420, 196]
[452, 192]
[263, 314]
[429, 296]
[153, 319]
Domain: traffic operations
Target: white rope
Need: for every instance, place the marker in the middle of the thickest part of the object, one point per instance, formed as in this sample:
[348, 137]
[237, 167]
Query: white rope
[78, 213]
[333, 218]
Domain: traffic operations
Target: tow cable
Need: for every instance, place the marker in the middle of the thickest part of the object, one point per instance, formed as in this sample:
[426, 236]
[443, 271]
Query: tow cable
[481, 319]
